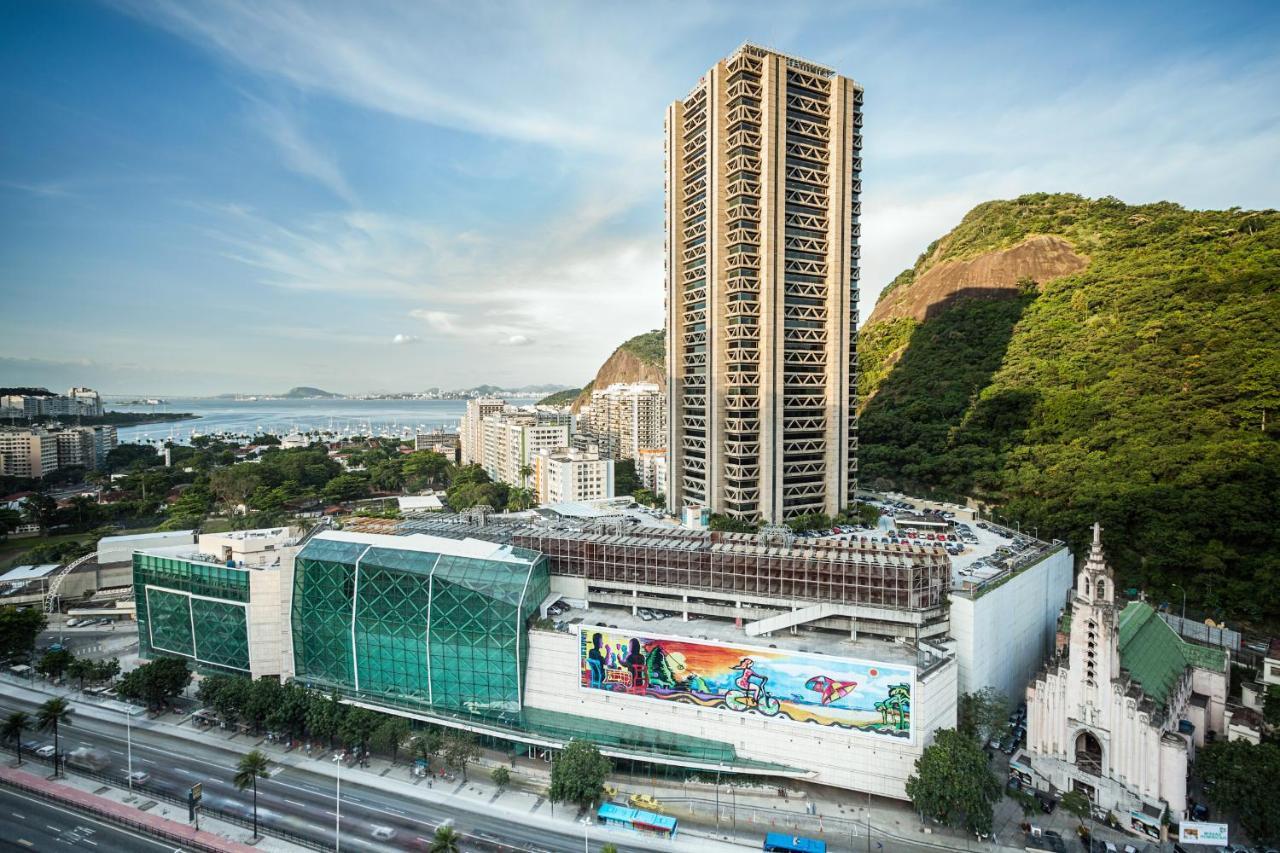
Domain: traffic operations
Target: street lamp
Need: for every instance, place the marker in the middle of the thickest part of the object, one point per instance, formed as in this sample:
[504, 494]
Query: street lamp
[1184, 607]
[128, 740]
[586, 827]
[337, 810]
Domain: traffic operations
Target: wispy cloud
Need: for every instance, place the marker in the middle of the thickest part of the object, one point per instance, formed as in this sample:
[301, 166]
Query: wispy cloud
[298, 153]
[406, 339]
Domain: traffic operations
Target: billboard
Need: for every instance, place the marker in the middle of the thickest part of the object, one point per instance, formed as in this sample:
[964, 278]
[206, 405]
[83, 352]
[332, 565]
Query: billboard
[1193, 832]
[862, 696]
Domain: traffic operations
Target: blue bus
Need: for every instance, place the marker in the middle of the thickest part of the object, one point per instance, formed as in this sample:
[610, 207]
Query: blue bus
[777, 842]
[638, 820]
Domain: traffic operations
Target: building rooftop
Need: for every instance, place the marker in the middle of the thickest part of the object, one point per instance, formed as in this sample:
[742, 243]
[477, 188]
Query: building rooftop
[469, 548]
[809, 640]
[27, 573]
[1155, 656]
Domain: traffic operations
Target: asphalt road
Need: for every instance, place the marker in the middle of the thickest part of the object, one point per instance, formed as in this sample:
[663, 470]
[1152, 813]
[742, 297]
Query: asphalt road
[299, 801]
[31, 824]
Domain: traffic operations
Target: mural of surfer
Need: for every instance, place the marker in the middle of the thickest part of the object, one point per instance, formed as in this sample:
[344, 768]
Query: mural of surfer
[873, 698]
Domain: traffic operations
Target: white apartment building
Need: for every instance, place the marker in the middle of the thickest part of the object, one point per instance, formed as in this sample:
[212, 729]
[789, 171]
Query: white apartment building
[76, 402]
[651, 468]
[567, 474]
[509, 440]
[75, 446]
[27, 452]
[470, 430]
[626, 418]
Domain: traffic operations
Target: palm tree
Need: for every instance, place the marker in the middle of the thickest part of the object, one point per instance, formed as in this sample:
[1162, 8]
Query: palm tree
[526, 471]
[52, 714]
[14, 725]
[253, 765]
[446, 839]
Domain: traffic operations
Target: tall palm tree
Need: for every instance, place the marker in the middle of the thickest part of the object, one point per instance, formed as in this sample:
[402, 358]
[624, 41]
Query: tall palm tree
[52, 714]
[253, 765]
[446, 839]
[14, 725]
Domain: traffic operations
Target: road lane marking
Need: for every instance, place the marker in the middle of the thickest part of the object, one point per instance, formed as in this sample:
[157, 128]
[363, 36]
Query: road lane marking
[54, 828]
[18, 816]
[295, 803]
[89, 841]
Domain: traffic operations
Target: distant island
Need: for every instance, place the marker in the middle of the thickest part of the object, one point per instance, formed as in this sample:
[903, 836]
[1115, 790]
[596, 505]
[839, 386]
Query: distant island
[306, 392]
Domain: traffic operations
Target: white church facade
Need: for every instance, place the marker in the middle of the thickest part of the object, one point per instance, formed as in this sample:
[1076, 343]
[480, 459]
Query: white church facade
[1121, 714]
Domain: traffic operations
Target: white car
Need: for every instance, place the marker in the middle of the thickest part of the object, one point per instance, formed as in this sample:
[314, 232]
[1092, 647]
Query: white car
[71, 623]
[45, 751]
[383, 833]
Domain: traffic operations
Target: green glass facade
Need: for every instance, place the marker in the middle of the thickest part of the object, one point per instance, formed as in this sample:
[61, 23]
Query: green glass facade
[193, 609]
[414, 627]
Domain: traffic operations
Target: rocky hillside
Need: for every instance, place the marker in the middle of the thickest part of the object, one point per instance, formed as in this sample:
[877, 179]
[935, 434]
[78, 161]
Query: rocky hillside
[640, 359]
[1072, 359]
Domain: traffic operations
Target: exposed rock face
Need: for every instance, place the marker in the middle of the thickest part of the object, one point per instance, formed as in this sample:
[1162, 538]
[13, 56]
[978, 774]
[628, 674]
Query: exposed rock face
[988, 276]
[623, 366]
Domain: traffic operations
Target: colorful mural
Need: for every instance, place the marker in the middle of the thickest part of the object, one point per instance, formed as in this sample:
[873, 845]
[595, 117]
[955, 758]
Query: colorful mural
[868, 697]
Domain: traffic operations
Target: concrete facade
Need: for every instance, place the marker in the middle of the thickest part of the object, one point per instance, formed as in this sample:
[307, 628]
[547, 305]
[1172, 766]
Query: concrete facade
[1022, 612]
[565, 474]
[763, 162]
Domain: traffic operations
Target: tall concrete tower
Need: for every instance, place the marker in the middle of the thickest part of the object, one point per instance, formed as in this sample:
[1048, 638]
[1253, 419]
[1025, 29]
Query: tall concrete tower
[763, 162]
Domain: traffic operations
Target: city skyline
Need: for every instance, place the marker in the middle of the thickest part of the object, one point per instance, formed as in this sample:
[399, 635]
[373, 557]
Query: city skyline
[316, 198]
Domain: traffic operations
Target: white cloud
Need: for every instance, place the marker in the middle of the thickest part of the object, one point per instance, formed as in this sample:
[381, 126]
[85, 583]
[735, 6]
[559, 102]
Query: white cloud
[298, 153]
[406, 339]
[516, 341]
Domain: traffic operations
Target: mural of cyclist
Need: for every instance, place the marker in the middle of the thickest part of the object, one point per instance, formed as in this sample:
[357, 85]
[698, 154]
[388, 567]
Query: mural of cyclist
[750, 682]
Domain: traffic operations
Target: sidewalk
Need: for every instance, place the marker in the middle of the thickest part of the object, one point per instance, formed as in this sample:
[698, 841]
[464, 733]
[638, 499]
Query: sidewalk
[71, 792]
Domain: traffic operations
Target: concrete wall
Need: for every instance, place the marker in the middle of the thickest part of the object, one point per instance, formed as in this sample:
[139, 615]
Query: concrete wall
[264, 622]
[838, 757]
[1002, 637]
[119, 549]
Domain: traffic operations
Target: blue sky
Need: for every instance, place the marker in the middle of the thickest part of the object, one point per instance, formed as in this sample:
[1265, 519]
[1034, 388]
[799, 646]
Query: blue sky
[244, 196]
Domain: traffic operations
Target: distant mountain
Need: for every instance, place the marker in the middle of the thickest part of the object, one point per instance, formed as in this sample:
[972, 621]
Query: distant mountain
[640, 359]
[1071, 359]
[306, 392]
[521, 390]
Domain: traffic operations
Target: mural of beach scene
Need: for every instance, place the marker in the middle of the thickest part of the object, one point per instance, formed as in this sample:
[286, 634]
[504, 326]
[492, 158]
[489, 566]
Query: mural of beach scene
[864, 696]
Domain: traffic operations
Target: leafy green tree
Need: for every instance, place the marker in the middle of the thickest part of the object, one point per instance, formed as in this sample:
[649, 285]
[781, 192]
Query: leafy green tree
[346, 487]
[520, 498]
[501, 777]
[578, 774]
[324, 717]
[390, 735]
[625, 478]
[953, 783]
[730, 524]
[51, 716]
[868, 515]
[445, 840]
[646, 497]
[40, 509]
[1271, 705]
[252, 767]
[609, 848]
[459, 749]
[157, 682]
[18, 631]
[9, 521]
[128, 457]
[105, 670]
[357, 727]
[983, 713]
[1076, 803]
[54, 664]
[1232, 771]
[233, 485]
[426, 468]
[428, 744]
[14, 725]
[82, 670]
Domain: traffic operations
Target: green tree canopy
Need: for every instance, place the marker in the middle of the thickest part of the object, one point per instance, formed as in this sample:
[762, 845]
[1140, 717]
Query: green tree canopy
[157, 682]
[1234, 772]
[18, 631]
[578, 774]
[983, 714]
[953, 783]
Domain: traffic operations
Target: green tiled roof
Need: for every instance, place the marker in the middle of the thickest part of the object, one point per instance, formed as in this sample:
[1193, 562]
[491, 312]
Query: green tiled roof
[1155, 655]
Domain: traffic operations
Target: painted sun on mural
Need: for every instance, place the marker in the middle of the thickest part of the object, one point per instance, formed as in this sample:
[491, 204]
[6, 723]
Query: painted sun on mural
[869, 697]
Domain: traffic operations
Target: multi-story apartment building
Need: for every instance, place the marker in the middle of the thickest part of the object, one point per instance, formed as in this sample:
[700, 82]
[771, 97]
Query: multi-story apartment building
[509, 440]
[566, 474]
[763, 164]
[470, 433]
[439, 441]
[626, 418]
[75, 403]
[27, 452]
[75, 446]
[651, 468]
[105, 440]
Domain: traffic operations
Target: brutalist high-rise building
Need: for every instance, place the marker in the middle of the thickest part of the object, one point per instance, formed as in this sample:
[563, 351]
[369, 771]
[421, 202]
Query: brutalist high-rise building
[763, 181]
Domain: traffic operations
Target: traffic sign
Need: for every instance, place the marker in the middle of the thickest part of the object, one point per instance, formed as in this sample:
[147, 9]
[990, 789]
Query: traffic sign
[196, 793]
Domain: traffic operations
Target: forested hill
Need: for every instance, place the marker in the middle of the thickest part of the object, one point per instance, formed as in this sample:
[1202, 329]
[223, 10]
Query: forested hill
[1073, 359]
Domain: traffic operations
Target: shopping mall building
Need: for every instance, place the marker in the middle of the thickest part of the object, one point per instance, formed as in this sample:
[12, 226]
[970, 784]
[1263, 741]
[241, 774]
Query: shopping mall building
[832, 662]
